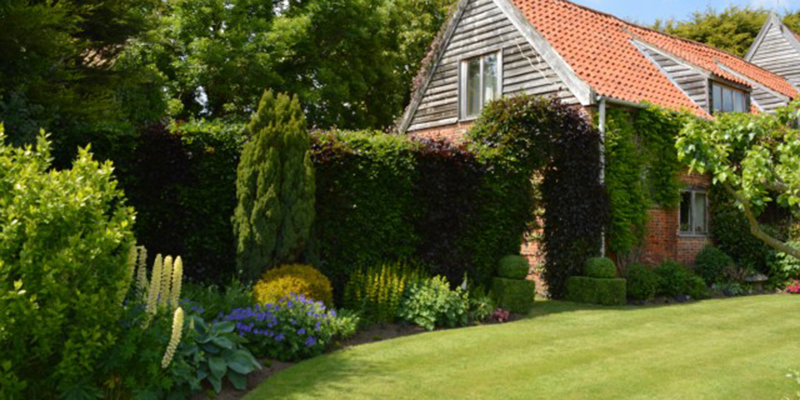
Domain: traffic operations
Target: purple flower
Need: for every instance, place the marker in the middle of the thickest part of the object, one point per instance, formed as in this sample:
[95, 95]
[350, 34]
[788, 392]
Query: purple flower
[316, 328]
[333, 313]
[301, 331]
[311, 341]
[279, 338]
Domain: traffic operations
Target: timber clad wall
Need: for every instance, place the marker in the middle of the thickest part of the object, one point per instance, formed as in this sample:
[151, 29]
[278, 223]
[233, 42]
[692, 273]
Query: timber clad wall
[483, 28]
[776, 54]
[688, 79]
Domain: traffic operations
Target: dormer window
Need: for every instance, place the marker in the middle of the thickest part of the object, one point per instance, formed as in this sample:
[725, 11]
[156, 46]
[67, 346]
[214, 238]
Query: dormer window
[727, 99]
[480, 83]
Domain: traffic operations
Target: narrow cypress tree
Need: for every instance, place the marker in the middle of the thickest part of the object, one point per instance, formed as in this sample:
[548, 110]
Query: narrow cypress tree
[274, 188]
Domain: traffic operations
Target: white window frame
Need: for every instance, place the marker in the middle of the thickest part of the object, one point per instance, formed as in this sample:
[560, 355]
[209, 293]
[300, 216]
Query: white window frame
[691, 232]
[462, 83]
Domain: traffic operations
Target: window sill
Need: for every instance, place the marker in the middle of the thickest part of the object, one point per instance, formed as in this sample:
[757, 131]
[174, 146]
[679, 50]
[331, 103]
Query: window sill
[693, 235]
[468, 119]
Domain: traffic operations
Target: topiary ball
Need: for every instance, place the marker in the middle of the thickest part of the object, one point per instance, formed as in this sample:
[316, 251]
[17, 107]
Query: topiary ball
[513, 267]
[282, 282]
[600, 267]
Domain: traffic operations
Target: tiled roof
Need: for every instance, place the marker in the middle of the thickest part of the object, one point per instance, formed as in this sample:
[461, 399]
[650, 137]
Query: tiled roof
[598, 48]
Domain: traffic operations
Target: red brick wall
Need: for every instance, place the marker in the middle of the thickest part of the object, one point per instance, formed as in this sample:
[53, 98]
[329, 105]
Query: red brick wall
[663, 240]
[453, 132]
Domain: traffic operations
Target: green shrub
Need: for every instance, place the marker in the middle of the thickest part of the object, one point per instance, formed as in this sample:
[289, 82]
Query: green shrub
[481, 305]
[600, 267]
[513, 267]
[642, 283]
[431, 303]
[287, 280]
[514, 295]
[377, 292]
[711, 263]
[274, 188]
[65, 240]
[584, 289]
[209, 301]
[678, 280]
[784, 267]
[731, 232]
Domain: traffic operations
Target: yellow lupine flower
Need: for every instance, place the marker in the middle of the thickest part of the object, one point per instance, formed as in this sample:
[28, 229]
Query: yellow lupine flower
[177, 276]
[175, 339]
[155, 286]
[166, 276]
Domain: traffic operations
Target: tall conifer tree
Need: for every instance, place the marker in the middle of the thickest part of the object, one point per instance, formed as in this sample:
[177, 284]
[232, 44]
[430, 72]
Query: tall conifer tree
[274, 188]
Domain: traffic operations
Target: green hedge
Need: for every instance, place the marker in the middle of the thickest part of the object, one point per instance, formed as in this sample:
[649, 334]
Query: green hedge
[513, 267]
[583, 289]
[515, 295]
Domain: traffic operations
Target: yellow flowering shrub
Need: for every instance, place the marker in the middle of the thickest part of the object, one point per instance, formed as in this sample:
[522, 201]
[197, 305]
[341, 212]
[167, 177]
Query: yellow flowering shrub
[281, 282]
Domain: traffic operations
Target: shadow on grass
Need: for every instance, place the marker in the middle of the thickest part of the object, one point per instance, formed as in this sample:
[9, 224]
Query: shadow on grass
[543, 308]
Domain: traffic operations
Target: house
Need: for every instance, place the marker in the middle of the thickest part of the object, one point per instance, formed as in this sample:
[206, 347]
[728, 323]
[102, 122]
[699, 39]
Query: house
[593, 60]
[777, 49]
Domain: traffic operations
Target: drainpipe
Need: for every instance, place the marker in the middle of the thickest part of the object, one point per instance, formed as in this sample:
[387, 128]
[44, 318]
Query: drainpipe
[602, 129]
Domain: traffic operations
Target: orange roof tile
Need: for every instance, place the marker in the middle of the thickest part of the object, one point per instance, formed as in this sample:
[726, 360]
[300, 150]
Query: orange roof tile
[598, 48]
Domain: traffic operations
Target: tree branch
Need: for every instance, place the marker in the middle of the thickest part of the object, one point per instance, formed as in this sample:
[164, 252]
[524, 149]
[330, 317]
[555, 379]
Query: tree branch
[755, 228]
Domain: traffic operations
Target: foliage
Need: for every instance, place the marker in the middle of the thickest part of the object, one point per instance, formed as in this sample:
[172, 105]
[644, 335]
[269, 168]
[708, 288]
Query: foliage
[217, 352]
[431, 303]
[733, 29]
[678, 280]
[60, 73]
[291, 329]
[711, 263]
[481, 306]
[584, 289]
[209, 301]
[642, 283]
[513, 267]
[784, 266]
[182, 182]
[376, 292]
[729, 288]
[515, 295]
[642, 170]
[731, 233]
[287, 280]
[524, 134]
[600, 267]
[65, 243]
[753, 157]
[274, 188]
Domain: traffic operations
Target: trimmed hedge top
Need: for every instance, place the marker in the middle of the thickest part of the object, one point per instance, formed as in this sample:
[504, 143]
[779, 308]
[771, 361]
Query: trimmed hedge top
[513, 267]
[600, 267]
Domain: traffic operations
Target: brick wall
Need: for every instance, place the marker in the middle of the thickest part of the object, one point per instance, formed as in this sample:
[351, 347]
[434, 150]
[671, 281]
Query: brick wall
[453, 132]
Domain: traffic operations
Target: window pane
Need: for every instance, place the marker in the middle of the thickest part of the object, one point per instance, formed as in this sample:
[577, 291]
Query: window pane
[699, 217]
[686, 212]
[473, 87]
[717, 100]
[489, 78]
[727, 100]
[738, 103]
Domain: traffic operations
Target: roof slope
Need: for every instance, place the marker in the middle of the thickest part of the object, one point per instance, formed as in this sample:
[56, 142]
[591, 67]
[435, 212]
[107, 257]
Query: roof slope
[598, 47]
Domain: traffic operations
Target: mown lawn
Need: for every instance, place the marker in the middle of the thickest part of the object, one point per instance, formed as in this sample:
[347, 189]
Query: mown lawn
[739, 348]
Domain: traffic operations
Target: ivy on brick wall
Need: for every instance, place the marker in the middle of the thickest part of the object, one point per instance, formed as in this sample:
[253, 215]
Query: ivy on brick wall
[529, 135]
[642, 170]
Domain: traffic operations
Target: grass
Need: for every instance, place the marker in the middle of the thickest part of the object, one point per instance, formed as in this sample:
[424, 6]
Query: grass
[739, 348]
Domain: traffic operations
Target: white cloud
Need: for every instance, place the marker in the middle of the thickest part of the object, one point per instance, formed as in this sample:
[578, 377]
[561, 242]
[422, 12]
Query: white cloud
[775, 4]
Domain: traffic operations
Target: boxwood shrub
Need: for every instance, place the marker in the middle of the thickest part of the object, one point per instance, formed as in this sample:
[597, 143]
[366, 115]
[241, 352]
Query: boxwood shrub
[584, 289]
[600, 267]
[515, 295]
[642, 283]
[513, 267]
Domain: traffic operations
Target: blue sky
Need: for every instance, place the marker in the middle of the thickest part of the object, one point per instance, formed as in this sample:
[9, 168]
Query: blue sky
[646, 11]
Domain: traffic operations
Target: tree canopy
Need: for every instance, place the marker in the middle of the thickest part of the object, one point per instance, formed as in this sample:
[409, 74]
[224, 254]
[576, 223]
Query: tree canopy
[733, 29]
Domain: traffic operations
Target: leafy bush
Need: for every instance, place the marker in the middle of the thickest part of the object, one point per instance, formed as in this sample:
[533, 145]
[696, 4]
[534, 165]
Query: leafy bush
[65, 238]
[182, 182]
[209, 301]
[431, 303]
[291, 329]
[284, 281]
[584, 289]
[481, 306]
[378, 291]
[274, 188]
[600, 267]
[515, 295]
[677, 280]
[730, 288]
[711, 263]
[217, 353]
[642, 283]
[784, 266]
[513, 267]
